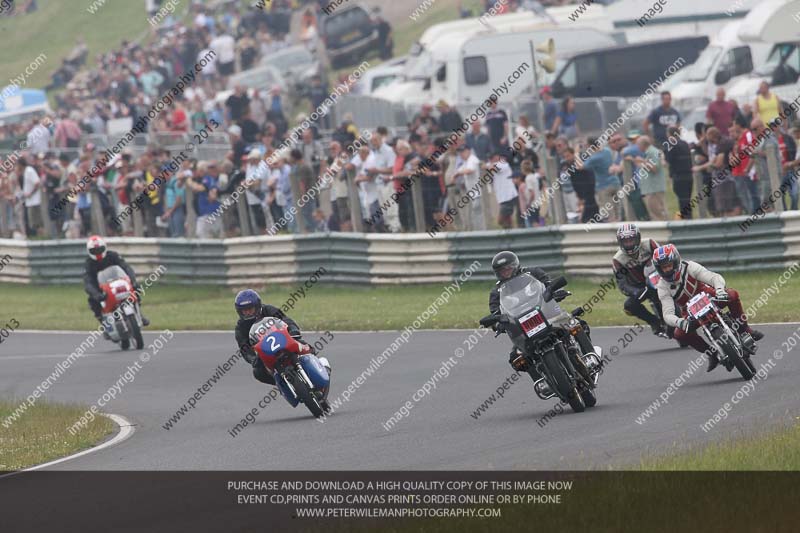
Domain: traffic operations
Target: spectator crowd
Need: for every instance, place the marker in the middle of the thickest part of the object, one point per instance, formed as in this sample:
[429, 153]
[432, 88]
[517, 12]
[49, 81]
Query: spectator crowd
[493, 175]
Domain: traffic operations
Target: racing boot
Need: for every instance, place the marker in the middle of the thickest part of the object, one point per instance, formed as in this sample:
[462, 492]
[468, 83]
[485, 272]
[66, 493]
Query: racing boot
[713, 359]
[659, 330]
[757, 335]
[145, 321]
[517, 361]
[106, 327]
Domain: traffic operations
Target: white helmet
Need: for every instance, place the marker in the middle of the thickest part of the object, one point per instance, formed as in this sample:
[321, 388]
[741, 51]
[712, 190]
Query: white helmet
[96, 248]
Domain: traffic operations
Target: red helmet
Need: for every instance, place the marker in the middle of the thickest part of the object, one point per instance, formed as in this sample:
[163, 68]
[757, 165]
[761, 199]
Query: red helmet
[96, 248]
[629, 239]
[667, 261]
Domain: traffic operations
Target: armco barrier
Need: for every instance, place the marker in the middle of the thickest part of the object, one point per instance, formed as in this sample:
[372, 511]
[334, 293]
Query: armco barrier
[769, 242]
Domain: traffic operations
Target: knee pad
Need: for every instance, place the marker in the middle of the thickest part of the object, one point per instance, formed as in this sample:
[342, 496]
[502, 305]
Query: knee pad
[733, 296]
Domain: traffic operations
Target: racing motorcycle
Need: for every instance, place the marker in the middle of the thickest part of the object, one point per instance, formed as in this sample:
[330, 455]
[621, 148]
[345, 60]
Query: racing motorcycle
[545, 336]
[121, 312]
[734, 348]
[300, 375]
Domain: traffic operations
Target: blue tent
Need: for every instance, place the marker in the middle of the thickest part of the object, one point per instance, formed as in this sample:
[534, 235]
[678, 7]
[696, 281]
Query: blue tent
[17, 102]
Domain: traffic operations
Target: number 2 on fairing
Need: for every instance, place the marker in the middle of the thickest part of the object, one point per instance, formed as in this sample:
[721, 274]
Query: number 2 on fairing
[274, 345]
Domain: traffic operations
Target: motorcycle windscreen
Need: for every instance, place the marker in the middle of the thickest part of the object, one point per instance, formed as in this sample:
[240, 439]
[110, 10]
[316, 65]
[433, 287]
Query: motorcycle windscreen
[520, 295]
[109, 274]
[264, 326]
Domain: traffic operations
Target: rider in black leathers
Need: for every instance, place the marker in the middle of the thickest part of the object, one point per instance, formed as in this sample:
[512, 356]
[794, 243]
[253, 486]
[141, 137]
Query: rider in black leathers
[506, 266]
[99, 259]
[251, 310]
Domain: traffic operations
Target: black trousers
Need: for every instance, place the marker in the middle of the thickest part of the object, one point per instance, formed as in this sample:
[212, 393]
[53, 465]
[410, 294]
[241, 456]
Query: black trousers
[636, 308]
[682, 186]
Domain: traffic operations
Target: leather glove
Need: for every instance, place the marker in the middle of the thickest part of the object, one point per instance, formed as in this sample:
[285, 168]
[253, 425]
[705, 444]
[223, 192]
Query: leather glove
[684, 324]
[561, 294]
[722, 294]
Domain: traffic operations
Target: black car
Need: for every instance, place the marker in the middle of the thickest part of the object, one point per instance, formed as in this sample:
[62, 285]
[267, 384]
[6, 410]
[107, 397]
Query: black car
[349, 34]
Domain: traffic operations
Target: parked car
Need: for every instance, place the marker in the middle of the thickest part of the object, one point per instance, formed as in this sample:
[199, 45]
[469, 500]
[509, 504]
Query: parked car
[297, 64]
[349, 34]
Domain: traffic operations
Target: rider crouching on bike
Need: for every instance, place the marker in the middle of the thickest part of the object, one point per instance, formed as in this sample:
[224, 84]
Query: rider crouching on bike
[628, 264]
[680, 281]
[506, 266]
[250, 310]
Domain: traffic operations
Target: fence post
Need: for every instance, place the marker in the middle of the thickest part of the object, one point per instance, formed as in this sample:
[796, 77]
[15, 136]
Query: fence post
[98, 222]
[418, 205]
[5, 231]
[702, 205]
[191, 216]
[244, 215]
[356, 217]
[557, 198]
[48, 223]
[775, 181]
[627, 180]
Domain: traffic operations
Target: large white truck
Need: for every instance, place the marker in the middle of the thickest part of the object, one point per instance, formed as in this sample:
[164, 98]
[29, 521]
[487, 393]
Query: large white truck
[776, 23]
[726, 61]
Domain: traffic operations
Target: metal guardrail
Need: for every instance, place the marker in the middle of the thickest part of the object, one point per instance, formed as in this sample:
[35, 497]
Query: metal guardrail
[770, 242]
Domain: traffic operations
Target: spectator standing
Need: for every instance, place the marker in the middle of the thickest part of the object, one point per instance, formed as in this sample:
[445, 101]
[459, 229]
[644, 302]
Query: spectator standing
[739, 162]
[679, 159]
[504, 190]
[550, 109]
[497, 126]
[32, 196]
[385, 34]
[175, 201]
[607, 185]
[660, 119]
[38, 140]
[382, 170]
[653, 180]
[254, 193]
[566, 122]
[237, 103]
[362, 163]
[767, 105]
[303, 175]
[765, 142]
[404, 163]
[478, 142]
[583, 182]
[721, 113]
[449, 118]
[468, 169]
[209, 223]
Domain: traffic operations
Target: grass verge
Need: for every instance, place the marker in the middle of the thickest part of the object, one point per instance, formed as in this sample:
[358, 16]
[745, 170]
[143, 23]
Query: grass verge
[341, 307]
[41, 435]
[777, 450]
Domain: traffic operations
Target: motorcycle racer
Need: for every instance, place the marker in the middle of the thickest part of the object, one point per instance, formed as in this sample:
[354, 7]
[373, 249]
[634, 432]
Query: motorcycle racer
[250, 310]
[100, 258]
[680, 281]
[506, 266]
[628, 264]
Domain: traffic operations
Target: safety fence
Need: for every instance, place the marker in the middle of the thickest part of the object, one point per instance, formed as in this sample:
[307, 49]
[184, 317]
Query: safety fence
[772, 241]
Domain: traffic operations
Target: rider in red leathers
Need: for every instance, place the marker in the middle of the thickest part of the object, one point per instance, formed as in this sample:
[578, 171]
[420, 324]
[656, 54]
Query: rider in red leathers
[680, 281]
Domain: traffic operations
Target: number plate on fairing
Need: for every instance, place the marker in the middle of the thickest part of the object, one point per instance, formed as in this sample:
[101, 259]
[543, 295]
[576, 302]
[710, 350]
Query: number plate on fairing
[700, 305]
[532, 323]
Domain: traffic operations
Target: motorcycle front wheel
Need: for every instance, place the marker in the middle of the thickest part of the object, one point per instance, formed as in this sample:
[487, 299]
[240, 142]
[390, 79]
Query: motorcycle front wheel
[136, 332]
[564, 386]
[308, 399]
[732, 354]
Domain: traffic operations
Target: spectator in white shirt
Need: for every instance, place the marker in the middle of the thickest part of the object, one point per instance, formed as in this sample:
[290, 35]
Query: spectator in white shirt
[225, 47]
[504, 190]
[384, 166]
[468, 168]
[32, 195]
[367, 188]
[38, 140]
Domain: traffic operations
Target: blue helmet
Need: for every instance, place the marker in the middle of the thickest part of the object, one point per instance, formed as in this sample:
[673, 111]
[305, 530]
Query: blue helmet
[248, 304]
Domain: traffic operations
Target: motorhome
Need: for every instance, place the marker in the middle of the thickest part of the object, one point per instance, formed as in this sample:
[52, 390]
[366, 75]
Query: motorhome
[774, 22]
[726, 60]
[440, 44]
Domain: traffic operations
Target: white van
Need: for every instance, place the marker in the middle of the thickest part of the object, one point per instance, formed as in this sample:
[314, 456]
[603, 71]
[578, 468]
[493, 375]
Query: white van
[440, 44]
[725, 61]
[777, 24]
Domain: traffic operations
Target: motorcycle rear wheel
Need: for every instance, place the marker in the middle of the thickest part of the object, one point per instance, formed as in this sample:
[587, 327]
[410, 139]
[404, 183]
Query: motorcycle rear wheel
[563, 386]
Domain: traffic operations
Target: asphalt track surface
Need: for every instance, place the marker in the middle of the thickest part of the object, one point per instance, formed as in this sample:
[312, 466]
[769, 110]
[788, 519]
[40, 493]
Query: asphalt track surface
[438, 434]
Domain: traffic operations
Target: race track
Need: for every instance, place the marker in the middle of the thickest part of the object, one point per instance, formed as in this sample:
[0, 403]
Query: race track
[438, 434]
